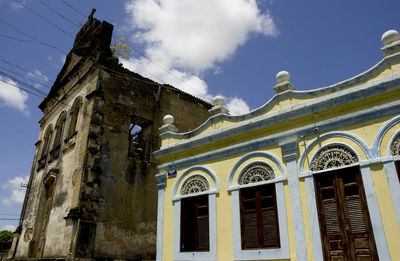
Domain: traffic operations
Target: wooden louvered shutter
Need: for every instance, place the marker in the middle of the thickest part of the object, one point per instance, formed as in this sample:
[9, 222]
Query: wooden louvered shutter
[343, 214]
[259, 219]
[202, 226]
[194, 224]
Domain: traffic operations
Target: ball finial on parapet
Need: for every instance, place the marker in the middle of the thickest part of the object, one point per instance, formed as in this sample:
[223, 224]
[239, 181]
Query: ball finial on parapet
[168, 119]
[391, 43]
[390, 37]
[283, 79]
[218, 100]
[218, 106]
[282, 76]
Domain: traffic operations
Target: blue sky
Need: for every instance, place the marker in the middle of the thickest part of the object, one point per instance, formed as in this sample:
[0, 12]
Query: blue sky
[232, 48]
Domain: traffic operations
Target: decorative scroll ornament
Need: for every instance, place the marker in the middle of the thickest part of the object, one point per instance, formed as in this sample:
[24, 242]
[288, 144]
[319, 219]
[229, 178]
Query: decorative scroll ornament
[395, 147]
[333, 156]
[256, 172]
[194, 184]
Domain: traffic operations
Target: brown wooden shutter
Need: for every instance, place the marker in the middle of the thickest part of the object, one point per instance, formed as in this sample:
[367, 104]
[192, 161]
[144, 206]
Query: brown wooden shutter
[194, 224]
[259, 217]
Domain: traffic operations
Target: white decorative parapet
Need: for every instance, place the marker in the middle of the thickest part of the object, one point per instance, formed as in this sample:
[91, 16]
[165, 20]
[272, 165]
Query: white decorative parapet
[218, 107]
[168, 126]
[283, 79]
[391, 42]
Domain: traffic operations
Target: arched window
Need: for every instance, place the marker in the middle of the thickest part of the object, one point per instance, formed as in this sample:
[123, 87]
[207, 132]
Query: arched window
[75, 110]
[45, 147]
[395, 151]
[342, 204]
[195, 215]
[333, 156]
[59, 130]
[258, 208]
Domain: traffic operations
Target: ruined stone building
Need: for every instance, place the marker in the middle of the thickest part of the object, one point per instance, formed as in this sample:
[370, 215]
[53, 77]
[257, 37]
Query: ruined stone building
[92, 192]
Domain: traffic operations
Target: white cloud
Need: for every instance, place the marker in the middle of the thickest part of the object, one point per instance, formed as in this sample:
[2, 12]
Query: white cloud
[194, 34]
[237, 106]
[11, 96]
[8, 227]
[188, 37]
[38, 76]
[17, 192]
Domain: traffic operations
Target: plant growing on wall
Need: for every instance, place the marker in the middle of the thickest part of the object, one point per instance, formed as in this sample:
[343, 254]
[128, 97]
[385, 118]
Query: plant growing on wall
[121, 49]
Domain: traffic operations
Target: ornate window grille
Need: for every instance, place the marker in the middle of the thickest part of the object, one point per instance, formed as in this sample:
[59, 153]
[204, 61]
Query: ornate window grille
[333, 156]
[256, 172]
[395, 147]
[194, 184]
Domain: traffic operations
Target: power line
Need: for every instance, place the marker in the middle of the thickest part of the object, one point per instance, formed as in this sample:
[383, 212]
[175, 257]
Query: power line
[23, 83]
[44, 18]
[14, 72]
[31, 37]
[9, 218]
[55, 11]
[25, 70]
[16, 86]
[73, 8]
[17, 39]
[83, 58]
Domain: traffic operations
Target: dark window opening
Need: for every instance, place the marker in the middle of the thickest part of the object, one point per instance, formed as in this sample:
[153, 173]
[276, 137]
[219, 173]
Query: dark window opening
[140, 133]
[259, 217]
[195, 224]
[397, 163]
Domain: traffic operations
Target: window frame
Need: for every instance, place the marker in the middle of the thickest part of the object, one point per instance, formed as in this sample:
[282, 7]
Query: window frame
[282, 252]
[257, 190]
[188, 213]
[177, 198]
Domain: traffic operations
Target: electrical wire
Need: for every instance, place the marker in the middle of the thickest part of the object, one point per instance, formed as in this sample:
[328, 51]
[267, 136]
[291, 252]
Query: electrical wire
[31, 37]
[61, 15]
[23, 83]
[73, 8]
[44, 18]
[85, 59]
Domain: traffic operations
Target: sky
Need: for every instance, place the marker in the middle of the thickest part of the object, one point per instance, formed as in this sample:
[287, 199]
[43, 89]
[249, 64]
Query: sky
[232, 48]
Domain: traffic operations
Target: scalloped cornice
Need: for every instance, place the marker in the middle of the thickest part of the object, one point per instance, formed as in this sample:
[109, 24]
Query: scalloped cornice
[363, 77]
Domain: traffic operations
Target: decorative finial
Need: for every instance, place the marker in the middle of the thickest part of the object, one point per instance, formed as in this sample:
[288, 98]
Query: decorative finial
[168, 126]
[282, 76]
[168, 119]
[92, 13]
[218, 106]
[391, 43]
[218, 100]
[283, 79]
[390, 37]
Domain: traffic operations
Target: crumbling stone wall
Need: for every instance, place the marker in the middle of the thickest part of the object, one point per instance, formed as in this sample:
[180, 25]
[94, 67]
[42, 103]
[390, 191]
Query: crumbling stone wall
[104, 201]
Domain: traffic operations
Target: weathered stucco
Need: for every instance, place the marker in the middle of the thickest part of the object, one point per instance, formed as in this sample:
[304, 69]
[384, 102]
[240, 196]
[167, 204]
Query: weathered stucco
[95, 196]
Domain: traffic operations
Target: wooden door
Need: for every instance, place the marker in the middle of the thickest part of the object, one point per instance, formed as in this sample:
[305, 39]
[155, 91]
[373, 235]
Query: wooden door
[345, 225]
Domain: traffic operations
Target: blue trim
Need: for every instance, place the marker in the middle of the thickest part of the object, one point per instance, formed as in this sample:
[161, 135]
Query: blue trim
[325, 126]
[333, 134]
[378, 140]
[261, 254]
[192, 169]
[161, 178]
[254, 154]
[289, 149]
[375, 214]
[212, 206]
[286, 114]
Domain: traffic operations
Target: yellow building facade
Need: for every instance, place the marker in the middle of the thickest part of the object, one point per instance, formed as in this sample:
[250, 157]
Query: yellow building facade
[310, 175]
